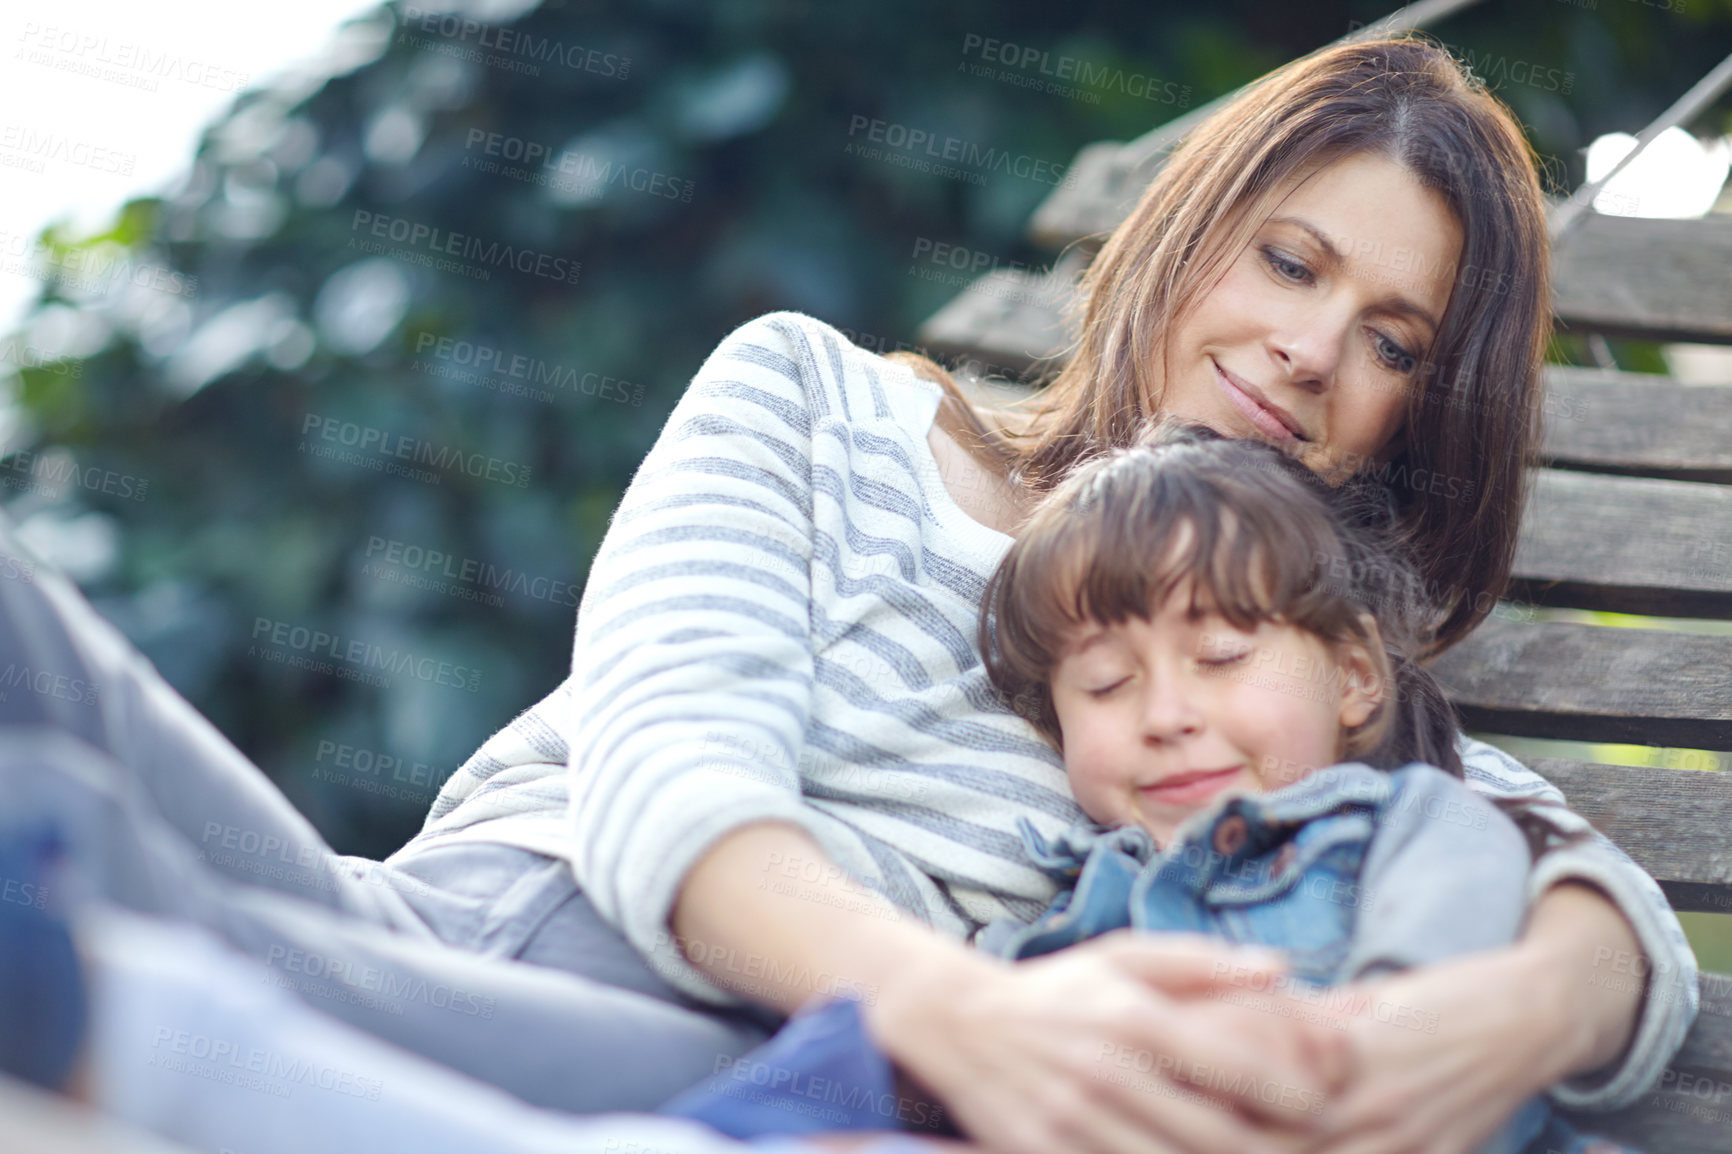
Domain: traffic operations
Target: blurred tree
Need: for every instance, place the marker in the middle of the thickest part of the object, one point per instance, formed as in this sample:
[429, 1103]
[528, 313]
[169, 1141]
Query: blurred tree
[333, 429]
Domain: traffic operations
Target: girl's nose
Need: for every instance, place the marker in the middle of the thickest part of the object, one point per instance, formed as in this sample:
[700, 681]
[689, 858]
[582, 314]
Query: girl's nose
[1169, 711]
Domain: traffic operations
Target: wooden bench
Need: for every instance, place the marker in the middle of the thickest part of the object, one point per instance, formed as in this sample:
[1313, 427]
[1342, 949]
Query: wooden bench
[1631, 512]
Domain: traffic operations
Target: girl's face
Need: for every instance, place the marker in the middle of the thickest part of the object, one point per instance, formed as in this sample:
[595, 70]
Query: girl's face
[1162, 717]
[1310, 339]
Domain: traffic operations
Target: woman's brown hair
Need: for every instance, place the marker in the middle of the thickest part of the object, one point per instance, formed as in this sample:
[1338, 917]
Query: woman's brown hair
[1472, 414]
[1253, 536]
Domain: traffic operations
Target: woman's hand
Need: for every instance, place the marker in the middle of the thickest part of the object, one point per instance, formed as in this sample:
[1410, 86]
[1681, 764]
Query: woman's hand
[1109, 1046]
[1444, 1055]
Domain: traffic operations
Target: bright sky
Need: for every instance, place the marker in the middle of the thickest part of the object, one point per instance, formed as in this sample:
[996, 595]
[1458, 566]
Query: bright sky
[101, 100]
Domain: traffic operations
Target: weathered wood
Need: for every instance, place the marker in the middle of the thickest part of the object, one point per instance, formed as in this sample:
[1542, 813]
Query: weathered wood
[1593, 683]
[1638, 423]
[1658, 279]
[1690, 1112]
[1673, 822]
[1018, 315]
[1100, 187]
[1627, 545]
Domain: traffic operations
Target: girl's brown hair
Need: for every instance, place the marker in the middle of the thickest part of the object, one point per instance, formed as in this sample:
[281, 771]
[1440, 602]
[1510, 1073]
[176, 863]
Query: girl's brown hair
[1254, 536]
[1472, 413]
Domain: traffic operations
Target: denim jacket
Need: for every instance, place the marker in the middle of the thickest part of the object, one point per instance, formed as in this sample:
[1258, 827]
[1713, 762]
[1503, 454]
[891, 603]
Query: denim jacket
[1351, 871]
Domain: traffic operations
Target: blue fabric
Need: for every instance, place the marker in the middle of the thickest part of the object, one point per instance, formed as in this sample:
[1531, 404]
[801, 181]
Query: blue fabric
[820, 1072]
[1253, 873]
[43, 1007]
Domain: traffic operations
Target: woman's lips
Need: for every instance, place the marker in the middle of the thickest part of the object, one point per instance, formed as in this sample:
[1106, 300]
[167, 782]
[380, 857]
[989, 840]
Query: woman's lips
[1191, 788]
[1254, 411]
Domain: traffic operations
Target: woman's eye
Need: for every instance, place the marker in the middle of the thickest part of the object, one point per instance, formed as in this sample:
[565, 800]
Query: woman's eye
[1106, 689]
[1285, 267]
[1393, 354]
[1222, 660]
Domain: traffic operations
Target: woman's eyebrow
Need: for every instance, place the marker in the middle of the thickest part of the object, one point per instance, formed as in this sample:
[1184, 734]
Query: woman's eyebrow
[1396, 302]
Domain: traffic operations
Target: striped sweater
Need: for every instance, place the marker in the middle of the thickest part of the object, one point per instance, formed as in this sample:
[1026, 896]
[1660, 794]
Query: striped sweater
[781, 624]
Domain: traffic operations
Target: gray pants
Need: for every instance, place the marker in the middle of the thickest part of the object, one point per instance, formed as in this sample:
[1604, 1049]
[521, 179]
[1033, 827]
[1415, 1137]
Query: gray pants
[486, 959]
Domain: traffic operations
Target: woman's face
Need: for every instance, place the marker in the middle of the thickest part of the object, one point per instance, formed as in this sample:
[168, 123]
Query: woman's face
[1311, 337]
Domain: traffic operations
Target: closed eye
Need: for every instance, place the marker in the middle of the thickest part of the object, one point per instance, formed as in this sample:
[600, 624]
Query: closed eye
[1392, 354]
[1222, 660]
[1106, 689]
[1286, 267]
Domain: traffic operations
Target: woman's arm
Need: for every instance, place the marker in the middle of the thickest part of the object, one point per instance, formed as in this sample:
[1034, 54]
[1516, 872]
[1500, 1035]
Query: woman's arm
[1087, 1049]
[1446, 1053]
[1624, 900]
[1589, 1004]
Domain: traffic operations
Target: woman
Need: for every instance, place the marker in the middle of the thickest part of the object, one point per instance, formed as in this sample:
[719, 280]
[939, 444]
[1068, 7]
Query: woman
[787, 775]
[772, 679]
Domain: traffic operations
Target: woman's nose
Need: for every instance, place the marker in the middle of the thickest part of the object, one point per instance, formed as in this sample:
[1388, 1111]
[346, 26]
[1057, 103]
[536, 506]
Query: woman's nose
[1306, 347]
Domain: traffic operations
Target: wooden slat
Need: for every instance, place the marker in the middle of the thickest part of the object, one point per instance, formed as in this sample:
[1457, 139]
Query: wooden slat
[1638, 423]
[1659, 279]
[1019, 316]
[1593, 683]
[1008, 317]
[1627, 545]
[1690, 1112]
[1673, 822]
[1101, 186]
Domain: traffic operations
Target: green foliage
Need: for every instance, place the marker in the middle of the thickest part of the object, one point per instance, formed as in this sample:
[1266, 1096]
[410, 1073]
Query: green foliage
[261, 311]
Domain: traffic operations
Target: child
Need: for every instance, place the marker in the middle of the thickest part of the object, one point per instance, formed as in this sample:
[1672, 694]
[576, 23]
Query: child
[1223, 654]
